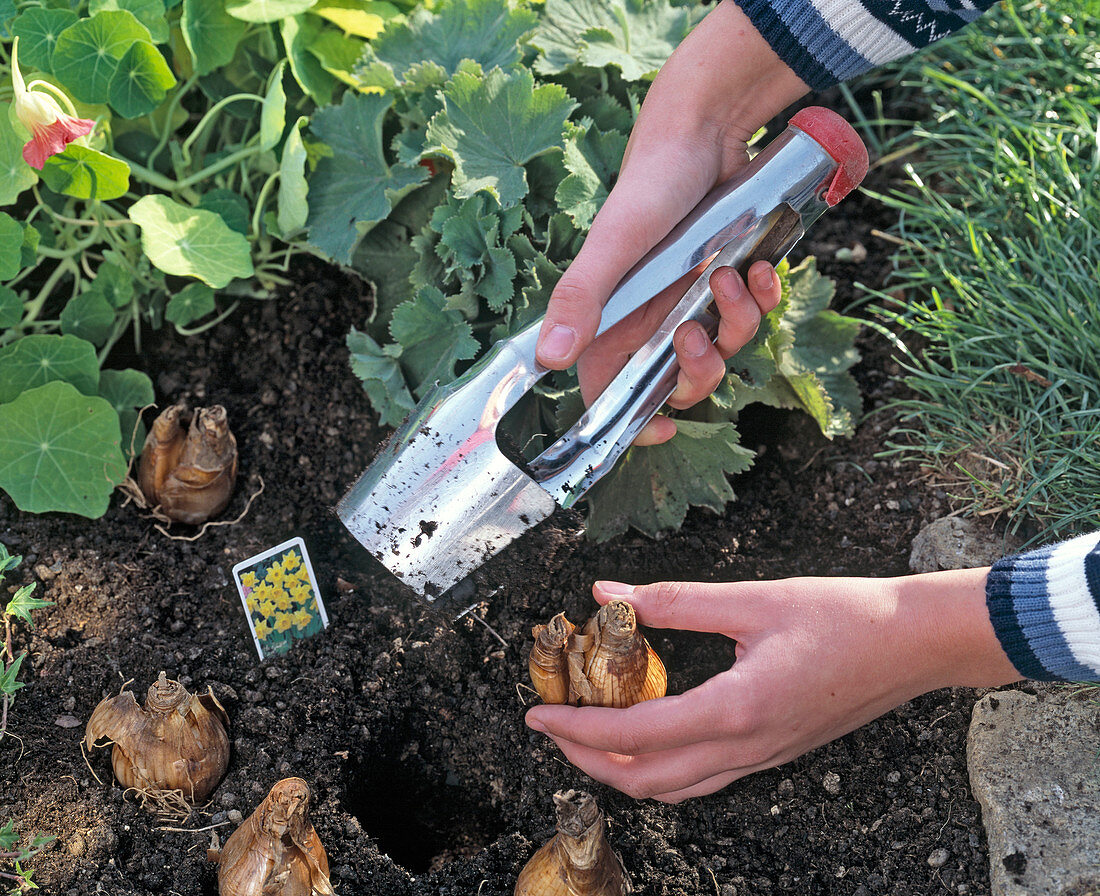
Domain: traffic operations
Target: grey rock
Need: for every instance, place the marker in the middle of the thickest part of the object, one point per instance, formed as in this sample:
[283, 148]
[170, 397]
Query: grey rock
[956, 543]
[831, 783]
[1032, 761]
[938, 858]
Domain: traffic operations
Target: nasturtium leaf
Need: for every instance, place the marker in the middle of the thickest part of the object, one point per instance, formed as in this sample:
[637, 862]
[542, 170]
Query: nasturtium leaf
[361, 18]
[231, 207]
[211, 34]
[11, 307]
[635, 36]
[293, 188]
[89, 316]
[85, 173]
[59, 451]
[149, 12]
[652, 488]
[141, 81]
[433, 339]
[7, 13]
[355, 186]
[29, 249]
[491, 126]
[338, 54]
[592, 159]
[15, 174]
[116, 283]
[190, 242]
[299, 33]
[273, 111]
[44, 357]
[38, 29]
[127, 391]
[11, 246]
[88, 52]
[382, 378]
[488, 32]
[195, 300]
[266, 10]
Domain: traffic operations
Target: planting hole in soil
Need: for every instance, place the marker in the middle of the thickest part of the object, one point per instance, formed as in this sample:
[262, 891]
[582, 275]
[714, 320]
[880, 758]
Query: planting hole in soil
[419, 821]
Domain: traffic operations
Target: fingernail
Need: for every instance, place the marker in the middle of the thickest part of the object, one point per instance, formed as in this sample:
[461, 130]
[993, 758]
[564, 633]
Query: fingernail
[763, 278]
[558, 343]
[733, 285]
[616, 589]
[536, 725]
[695, 343]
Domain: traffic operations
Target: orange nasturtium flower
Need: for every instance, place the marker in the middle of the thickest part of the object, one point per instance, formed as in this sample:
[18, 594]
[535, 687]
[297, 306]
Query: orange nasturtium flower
[40, 113]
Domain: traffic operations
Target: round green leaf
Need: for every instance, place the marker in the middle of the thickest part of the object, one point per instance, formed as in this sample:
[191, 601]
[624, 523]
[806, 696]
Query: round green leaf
[85, 173]
[11, 307]
[211, 33]
[266, 10]
[15, 174]
[38, 30]
[273, 115]
[11, 246]
[192, 302]
[140, 81]
[43, 358]
[89, 316]
[149, 12]
[293, 189]
[88, 52]
[116, 284]
[232, 207]
[59, 451]
[128, 391]
[191, 242]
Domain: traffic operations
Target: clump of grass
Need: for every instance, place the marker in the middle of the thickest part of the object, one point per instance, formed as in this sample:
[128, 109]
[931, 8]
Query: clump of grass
[999, 270]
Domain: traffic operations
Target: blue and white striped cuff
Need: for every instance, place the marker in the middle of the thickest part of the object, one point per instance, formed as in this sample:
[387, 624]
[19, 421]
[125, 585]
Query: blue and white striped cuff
[826, 41]
[1045, 609]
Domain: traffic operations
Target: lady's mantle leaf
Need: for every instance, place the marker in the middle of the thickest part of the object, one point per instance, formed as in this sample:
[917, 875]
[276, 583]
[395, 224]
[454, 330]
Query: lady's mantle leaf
[492, 125]
[433, 339]
[635, 36]
[355, 186]
[85, 173]
[42, 358]
[190, 242]
[487, 31]
[59, 451]
[651, 488]
[592, 159]
[382, 378]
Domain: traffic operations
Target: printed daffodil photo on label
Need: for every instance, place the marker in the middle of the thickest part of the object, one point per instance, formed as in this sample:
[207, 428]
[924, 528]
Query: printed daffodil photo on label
[280, 596]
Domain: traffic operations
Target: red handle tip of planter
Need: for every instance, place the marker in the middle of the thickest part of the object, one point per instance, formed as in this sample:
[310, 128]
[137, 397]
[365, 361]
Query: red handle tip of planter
[840, 140]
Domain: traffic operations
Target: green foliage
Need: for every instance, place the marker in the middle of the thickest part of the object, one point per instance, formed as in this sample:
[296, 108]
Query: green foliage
[521, 113]
[191, 192]
[13, 849]
[1001, 229]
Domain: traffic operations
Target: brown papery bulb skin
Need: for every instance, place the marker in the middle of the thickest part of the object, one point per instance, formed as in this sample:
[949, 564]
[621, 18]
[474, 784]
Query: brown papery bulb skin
[577, 860]
[621, 668]
[547, 660]
[276, 851]
[189, 474]
[176, 741]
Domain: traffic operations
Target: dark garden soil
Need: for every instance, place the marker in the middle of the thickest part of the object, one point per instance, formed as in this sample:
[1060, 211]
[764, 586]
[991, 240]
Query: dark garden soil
[409, 725]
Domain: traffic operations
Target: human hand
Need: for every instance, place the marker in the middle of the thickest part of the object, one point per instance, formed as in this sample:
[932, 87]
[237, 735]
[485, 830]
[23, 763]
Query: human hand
[815, 659]
[715, 91]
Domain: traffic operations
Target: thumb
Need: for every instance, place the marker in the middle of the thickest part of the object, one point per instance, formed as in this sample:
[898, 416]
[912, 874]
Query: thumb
[689, 606]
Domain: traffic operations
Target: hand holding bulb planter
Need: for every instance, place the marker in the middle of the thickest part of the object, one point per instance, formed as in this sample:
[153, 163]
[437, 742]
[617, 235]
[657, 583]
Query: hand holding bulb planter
[51, 128]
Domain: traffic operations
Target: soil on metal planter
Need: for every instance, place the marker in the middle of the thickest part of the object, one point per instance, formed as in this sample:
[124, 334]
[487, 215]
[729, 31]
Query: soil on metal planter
[408, 724]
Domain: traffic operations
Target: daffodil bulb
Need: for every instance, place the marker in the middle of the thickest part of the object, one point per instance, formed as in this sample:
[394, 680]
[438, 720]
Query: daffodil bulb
[38, 110]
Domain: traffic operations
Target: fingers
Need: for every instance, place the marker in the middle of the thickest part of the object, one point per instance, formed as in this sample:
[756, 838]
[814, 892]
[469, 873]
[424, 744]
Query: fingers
[687, 606]
[650, 726]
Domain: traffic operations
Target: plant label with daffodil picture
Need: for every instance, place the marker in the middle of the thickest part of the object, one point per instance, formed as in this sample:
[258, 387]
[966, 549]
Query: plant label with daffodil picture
[280, 597]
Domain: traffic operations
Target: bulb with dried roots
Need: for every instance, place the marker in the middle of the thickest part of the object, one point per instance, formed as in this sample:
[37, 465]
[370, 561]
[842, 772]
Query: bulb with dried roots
[176, 742]
[276, 851]
[188, 464]
[608, 662]
[577, 860]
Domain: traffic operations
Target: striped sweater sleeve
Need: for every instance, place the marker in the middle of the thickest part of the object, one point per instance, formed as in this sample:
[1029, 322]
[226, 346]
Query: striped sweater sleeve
[1045, 609]
[826, 41]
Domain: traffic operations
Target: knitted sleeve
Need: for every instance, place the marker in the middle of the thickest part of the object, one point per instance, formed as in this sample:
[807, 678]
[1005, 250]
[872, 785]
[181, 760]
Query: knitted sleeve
[1045, 609]
[826, 41]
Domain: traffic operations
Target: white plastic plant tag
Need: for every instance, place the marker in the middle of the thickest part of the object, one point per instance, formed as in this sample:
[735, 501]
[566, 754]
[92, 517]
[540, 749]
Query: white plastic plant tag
[280, 596]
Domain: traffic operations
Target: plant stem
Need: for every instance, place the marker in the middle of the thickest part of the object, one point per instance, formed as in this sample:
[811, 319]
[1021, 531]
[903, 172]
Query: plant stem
[156, 179]
[185, 148]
